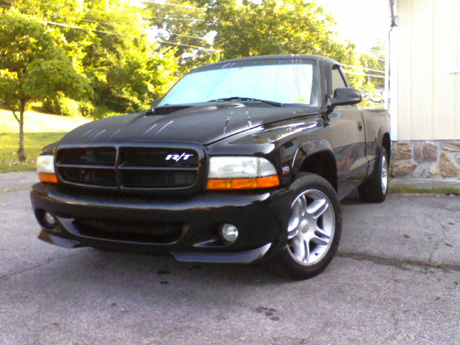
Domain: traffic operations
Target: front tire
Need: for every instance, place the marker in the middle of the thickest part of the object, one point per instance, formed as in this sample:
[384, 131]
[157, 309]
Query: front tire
[314, 229]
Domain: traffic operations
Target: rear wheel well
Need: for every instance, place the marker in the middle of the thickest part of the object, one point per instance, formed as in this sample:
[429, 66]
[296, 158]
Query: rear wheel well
[322, 164]
[386, 143]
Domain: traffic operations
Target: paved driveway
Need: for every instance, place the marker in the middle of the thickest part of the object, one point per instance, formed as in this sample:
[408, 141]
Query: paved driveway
[395, 281]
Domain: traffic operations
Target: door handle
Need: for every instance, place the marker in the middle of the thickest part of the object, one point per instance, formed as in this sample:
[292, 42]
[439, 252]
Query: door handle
[360, 125]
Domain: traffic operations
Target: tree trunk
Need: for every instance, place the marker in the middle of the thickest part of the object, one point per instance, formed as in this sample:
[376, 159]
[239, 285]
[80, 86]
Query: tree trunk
[21, 151]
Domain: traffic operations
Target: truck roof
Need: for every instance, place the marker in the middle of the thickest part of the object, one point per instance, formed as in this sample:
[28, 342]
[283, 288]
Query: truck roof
[269, 57]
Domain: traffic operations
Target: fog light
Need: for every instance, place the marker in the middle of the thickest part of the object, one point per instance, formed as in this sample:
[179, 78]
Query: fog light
[49, 219]
[229, 233]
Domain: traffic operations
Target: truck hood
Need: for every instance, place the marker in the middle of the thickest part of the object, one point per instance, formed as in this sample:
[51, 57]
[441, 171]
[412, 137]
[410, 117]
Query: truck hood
[204, 124]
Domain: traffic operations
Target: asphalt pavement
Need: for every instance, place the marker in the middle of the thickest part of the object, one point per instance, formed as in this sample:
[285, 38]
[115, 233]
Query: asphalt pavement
[395, 281]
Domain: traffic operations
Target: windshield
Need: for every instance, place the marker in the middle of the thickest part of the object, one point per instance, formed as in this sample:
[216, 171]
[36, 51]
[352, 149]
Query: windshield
[287, 81]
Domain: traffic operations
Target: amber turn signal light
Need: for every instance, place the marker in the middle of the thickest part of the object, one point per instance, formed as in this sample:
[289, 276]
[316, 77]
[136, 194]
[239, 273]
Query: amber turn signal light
[243, 183]
[47, 178]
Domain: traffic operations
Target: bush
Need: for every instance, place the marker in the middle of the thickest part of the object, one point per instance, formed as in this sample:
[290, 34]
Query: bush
[61, 105]
[69, 107]
[103, 111]
[86, 108]
[51, 106]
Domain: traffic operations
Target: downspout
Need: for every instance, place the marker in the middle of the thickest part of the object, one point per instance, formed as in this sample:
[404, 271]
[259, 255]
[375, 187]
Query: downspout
[393, 3]
[391, 67]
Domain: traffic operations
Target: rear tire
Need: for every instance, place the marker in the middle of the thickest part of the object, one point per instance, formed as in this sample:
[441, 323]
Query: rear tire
[375, 189]
[314, 229]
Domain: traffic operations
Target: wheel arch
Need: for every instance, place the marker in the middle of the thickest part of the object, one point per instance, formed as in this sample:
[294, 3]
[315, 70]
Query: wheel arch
[386, 143]
[316, 158]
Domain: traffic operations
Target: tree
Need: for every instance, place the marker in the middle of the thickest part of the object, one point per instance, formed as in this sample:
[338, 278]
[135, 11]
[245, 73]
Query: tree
[32, 67]
[123, 65]
[375, 60]
[183, 25]
[246, 28]
[108, 42]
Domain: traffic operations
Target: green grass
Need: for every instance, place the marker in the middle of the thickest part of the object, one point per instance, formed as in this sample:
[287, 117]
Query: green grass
[40, 130]
[33, 142]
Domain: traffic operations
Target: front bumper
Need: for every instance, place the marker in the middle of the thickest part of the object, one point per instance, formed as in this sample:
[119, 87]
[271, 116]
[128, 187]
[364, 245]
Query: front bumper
[261, 218]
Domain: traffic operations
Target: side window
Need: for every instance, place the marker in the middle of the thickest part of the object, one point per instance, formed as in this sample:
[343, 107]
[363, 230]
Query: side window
[337, 80]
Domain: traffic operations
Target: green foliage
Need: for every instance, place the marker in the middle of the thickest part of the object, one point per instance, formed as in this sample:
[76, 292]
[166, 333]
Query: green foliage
[51, 106]
[274, 27]
[34, 142]
[136, 81]
[32, 67]
[103, 111]
[186, 28]
[61, 105]
[244, 28]
[372, 85]
[86, 108]
[375, 61]
[109, 43]
[42, 129]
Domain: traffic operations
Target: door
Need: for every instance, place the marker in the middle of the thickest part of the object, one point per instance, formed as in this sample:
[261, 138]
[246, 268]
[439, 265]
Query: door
[350, 144]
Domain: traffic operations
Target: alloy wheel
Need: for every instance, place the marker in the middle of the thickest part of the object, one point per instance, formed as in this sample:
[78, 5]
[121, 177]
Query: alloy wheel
[311, 227]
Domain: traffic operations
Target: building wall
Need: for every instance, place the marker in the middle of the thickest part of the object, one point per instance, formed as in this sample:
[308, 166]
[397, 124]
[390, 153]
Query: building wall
[426, 159]
[428, 92]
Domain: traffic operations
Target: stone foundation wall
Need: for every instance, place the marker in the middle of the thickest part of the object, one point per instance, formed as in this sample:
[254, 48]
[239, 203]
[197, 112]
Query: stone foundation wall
[426, 159]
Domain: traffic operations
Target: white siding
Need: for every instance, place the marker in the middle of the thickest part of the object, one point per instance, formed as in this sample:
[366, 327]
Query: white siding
[428, 91]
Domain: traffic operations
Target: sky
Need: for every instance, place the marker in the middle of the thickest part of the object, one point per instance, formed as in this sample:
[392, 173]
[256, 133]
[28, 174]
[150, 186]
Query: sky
[360, 21]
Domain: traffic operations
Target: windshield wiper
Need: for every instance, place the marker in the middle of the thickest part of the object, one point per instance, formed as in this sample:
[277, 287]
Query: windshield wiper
[235, 98]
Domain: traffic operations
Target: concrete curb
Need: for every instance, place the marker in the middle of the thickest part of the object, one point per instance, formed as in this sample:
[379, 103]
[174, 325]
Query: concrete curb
[425, 184]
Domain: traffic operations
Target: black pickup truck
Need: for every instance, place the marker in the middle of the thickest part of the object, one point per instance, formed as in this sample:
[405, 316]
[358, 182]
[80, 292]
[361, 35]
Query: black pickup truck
[241, 161]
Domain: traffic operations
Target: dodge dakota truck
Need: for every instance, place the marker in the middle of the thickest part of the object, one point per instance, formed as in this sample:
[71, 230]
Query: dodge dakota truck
[241, 161]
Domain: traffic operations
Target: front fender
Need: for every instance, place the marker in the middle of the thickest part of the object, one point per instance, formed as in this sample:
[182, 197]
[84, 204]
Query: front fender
[307, 150]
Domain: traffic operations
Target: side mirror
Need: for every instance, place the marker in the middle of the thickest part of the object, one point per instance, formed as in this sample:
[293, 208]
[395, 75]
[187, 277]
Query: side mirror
[156, 102]
[345, 96]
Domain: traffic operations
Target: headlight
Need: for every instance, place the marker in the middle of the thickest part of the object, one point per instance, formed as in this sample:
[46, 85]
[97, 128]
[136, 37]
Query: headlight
[45, 169]
[241, 173]
[45, 164]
